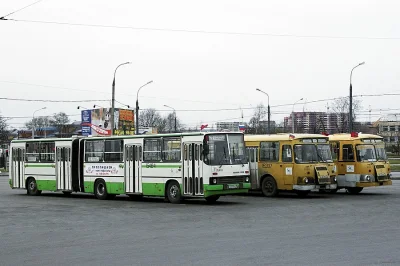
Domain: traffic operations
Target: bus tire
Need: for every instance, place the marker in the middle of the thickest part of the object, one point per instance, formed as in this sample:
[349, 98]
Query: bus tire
[269, 187]
[31, 187]
[174, 192]
[100, 189]
[354, 190]
[212, 199]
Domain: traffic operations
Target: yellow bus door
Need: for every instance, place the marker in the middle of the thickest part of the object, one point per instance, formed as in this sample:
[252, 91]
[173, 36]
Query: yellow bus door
[286, 164]
[252, 153]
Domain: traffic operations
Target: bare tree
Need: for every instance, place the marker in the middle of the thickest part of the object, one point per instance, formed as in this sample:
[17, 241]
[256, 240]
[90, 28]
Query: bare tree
[152, 118]
[341, 108]
[255, 127]
[149, 118]
[59, 120]
[37, 122]
[3, 130]
[170, 123]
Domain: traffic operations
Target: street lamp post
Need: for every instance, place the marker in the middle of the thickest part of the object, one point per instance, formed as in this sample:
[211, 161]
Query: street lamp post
[113, 98]
[137, 107]
[33, 121]
[351, 99]
[174, 114]
[269, 112]
[293, 114]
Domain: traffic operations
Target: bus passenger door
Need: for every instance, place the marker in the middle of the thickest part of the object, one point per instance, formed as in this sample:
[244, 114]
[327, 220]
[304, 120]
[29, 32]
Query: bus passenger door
[63, 168]
[287, 165]
[18, 167]
[193, 169]
[133, 169]
[252, 153]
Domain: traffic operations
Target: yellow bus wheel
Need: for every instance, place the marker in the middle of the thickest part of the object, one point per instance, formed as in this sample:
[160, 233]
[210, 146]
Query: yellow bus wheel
[354, 190]
[269, 187]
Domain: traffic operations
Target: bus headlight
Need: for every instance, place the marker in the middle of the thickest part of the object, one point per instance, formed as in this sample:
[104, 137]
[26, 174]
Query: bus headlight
[365, 178]
[214, 181]
[247, 179]
[334, 179]
[305, 180]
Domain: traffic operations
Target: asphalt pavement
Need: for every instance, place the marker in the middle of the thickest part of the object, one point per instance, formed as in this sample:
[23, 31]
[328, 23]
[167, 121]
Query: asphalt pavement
[339, 229]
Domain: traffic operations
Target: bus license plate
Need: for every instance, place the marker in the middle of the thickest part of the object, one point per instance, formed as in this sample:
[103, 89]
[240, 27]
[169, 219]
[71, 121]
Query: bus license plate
[233, 186]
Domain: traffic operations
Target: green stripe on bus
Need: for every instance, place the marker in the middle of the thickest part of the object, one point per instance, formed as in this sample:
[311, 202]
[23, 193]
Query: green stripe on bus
[150, 165]
[40, 165]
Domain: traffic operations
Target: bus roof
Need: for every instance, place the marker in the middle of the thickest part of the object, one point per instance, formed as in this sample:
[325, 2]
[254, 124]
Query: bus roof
[282, 136]
[41, 140]
[347, 136]
[129, 136]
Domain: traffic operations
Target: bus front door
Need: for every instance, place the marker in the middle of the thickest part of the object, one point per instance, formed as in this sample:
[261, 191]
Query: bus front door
[252, 153]
[18, 168]
[63, 168]
[133, 168]
[193, 169]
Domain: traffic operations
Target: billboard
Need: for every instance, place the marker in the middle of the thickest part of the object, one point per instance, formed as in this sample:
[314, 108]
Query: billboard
[96, 122]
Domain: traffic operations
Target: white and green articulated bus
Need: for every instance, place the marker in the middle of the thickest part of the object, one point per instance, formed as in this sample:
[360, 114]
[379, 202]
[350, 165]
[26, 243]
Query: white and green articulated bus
[174, 166]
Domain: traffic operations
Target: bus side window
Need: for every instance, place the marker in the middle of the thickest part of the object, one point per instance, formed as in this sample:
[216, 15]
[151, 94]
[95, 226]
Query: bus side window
[113, 151]
[269, 151]
[348, 153]
[335, 150]
[286, 153]
[171, 150]
[152, 150]
[32, 152]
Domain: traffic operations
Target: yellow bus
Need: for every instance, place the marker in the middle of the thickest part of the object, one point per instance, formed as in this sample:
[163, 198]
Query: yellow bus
[291, 162]
[361, 161]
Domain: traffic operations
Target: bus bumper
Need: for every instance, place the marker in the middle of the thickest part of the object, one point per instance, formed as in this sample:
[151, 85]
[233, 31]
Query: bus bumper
[327, 186]
[303, 187]
[374, 184]
[226, 189]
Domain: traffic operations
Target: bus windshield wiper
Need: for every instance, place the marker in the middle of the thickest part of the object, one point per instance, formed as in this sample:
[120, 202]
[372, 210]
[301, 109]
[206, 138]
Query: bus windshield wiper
[222, 158]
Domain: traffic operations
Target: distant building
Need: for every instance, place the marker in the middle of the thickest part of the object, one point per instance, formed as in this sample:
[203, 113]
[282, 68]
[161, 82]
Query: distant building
[317, 122]
[228, 126]
[389, 128]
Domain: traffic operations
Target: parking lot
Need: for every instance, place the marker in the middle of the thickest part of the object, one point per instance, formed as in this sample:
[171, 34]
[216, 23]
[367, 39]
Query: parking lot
[340, 229]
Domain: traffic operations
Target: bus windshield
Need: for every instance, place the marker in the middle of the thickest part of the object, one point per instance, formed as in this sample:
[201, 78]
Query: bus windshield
[306, 153]
[380, 153]
[324, 153]
[224, 149]
[366, 153]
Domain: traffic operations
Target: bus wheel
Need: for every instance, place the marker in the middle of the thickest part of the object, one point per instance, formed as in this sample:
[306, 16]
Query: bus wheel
[354, 190]
[268, 187]
[174, 192]
[31, 187]
[212, 199]
[302, 193]
[100, 190]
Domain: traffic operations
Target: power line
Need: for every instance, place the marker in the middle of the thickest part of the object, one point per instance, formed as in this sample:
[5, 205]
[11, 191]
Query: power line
[4, 17]
[205, 31]
[51, 101]
[102, 92]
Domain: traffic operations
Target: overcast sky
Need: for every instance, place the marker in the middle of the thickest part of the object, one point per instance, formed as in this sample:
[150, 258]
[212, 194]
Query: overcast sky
[199, 69]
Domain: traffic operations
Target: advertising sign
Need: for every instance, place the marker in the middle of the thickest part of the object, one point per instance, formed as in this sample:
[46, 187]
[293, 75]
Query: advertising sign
[97, 122]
